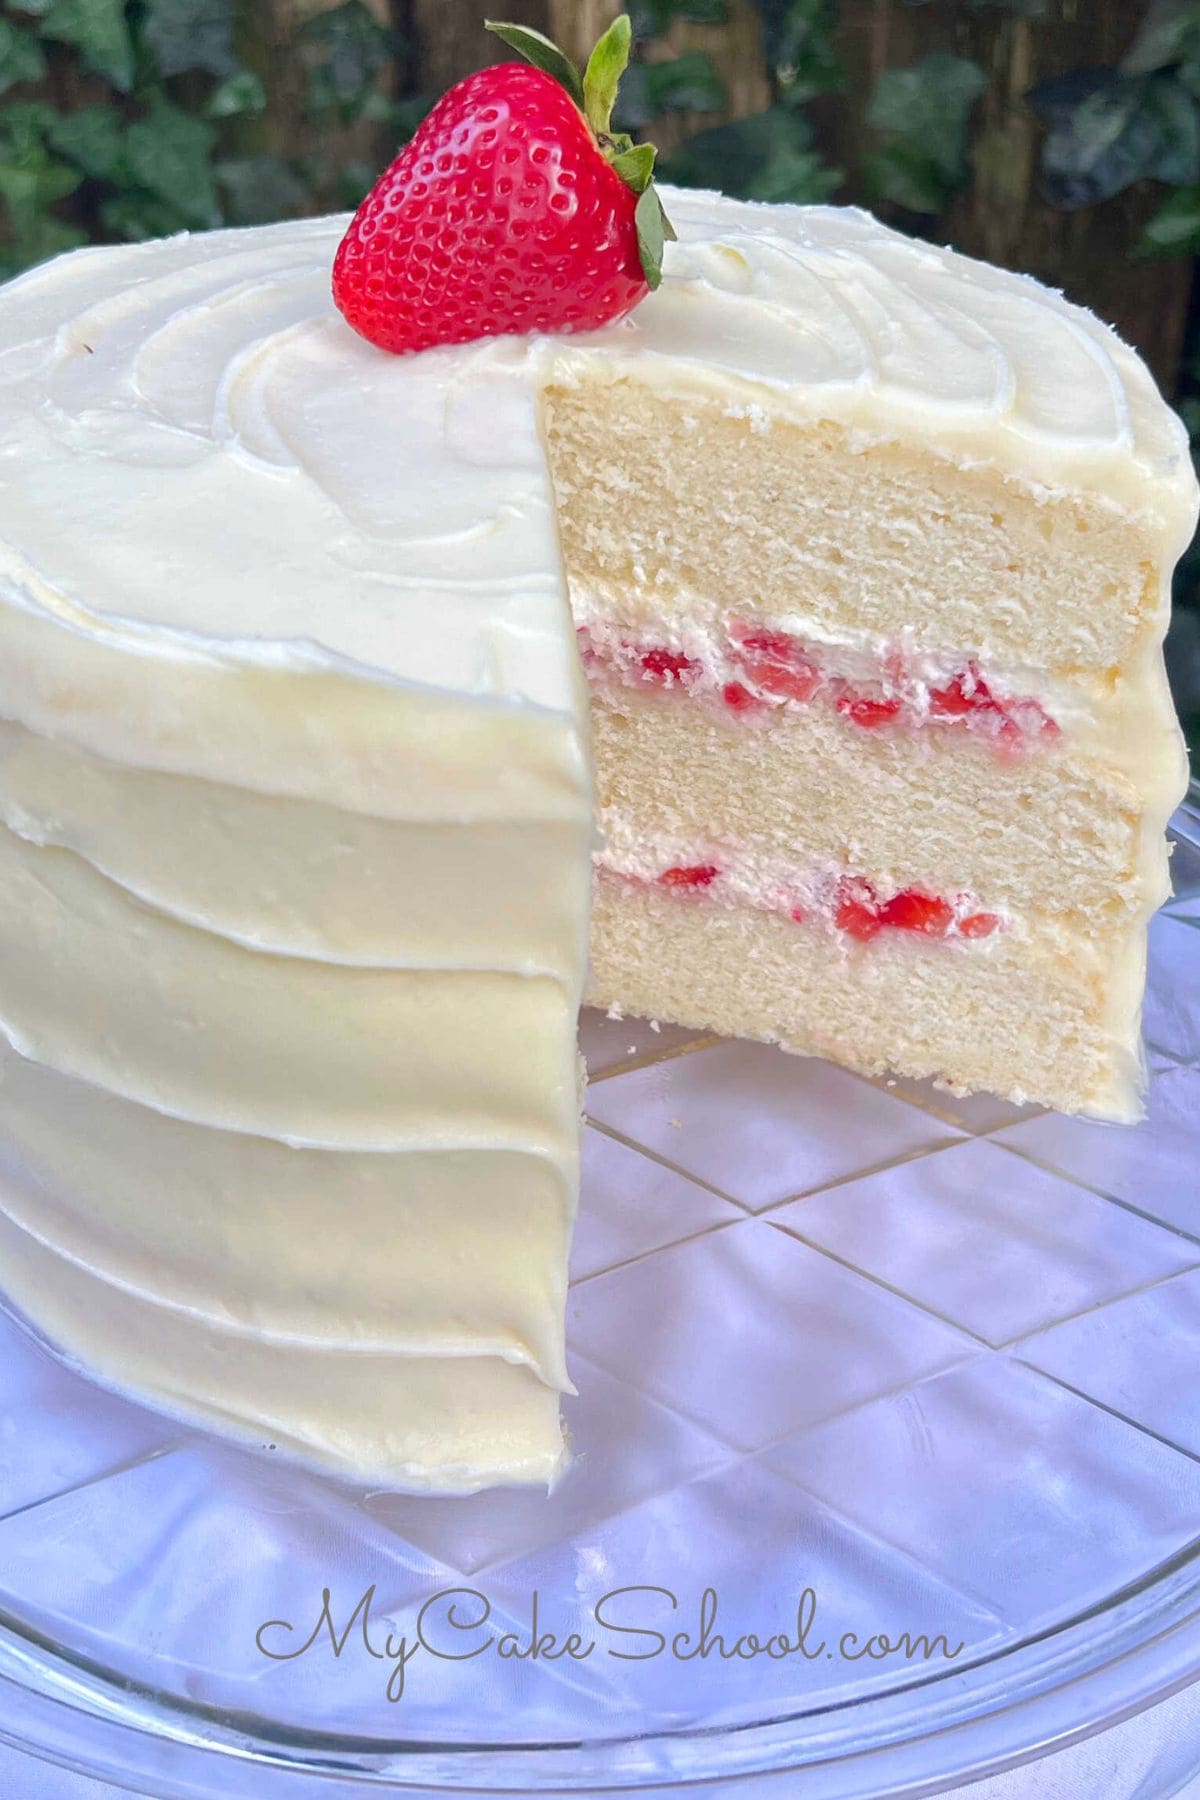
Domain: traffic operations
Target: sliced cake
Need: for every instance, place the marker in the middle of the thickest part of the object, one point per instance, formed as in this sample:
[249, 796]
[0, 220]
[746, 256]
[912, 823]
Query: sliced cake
[858, 554]
[869, 553]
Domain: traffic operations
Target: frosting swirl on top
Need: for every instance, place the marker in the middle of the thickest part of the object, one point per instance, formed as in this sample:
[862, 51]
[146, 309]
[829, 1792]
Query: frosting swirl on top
[199, 459]
[851, 320]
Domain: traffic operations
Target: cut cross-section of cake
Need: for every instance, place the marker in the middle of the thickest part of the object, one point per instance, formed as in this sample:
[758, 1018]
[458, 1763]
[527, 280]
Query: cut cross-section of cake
[869, 554]
[868, 550]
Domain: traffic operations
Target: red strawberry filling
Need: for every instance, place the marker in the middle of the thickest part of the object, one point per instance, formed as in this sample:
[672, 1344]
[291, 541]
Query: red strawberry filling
[667, 666]
[780, 683]
[953, 700]
[911, 910]
[858, 918]
[738, 698]
[866, 712]
[977, 925]
[698, 875]
[775, 664]
[852, 905]
[755, 671]
[861, 914]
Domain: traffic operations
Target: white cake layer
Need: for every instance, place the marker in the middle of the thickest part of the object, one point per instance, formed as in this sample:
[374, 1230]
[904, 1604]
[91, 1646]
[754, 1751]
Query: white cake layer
[1046, 1015]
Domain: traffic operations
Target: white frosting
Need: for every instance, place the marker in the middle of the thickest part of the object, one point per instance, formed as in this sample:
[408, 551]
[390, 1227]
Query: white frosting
[339, 887]
[167, 408]
[294, 863]
[295, 790]
[841, 318]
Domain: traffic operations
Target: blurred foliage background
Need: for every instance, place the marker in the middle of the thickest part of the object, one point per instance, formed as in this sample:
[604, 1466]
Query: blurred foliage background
[1061, 137]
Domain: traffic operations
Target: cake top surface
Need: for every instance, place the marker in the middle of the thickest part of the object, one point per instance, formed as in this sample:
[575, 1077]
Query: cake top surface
[199, 458]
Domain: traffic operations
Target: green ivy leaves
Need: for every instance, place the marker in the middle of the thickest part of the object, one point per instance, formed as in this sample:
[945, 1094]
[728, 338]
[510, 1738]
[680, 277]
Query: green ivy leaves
[654, 18]
[91, 138]
[258, 189]
[155, 157]
[769, 156]
[97, 29]
[32, 180]
[798, 36]
[685, 83]
[21, 56]
[923, 114]
[239, 94]
[1175, 228]
[1169, 37]
[192, 34]
[345, 51]
[1110, 127]
[169, 155]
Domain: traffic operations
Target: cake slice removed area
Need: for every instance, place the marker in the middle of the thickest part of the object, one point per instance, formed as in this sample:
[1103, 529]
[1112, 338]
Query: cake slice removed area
[884, 747]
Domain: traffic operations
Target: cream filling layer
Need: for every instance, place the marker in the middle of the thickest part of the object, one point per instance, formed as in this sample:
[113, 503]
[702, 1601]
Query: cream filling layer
[753, 666]
[846, 904]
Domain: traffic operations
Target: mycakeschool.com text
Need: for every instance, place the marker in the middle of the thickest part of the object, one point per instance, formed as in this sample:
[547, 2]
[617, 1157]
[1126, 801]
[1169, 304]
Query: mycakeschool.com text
[638, 1624]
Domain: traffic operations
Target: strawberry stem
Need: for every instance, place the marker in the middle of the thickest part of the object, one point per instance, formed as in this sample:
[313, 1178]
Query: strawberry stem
[602, 77]
[595, 94]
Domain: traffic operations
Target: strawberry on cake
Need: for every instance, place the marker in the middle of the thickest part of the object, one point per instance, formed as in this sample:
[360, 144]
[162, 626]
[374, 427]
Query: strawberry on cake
[824, 571]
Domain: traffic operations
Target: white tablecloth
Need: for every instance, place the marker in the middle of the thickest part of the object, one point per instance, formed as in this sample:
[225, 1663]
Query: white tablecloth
[1155, 1756]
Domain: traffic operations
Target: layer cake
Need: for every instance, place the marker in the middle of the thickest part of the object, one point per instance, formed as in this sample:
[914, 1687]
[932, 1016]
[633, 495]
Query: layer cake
[811, 615]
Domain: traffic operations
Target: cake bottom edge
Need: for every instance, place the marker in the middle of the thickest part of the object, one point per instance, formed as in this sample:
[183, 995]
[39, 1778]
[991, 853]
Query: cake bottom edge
[1024, 1021]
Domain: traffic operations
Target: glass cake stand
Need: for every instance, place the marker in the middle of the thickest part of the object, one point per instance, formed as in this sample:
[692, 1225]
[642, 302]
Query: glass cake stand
[908, 1382]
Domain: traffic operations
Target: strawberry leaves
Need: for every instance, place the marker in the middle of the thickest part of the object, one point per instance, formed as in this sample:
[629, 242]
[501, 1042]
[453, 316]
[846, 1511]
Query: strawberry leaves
[635, 166]
[595, 94]
[602, 77]
[653, 230]
[543, 53]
